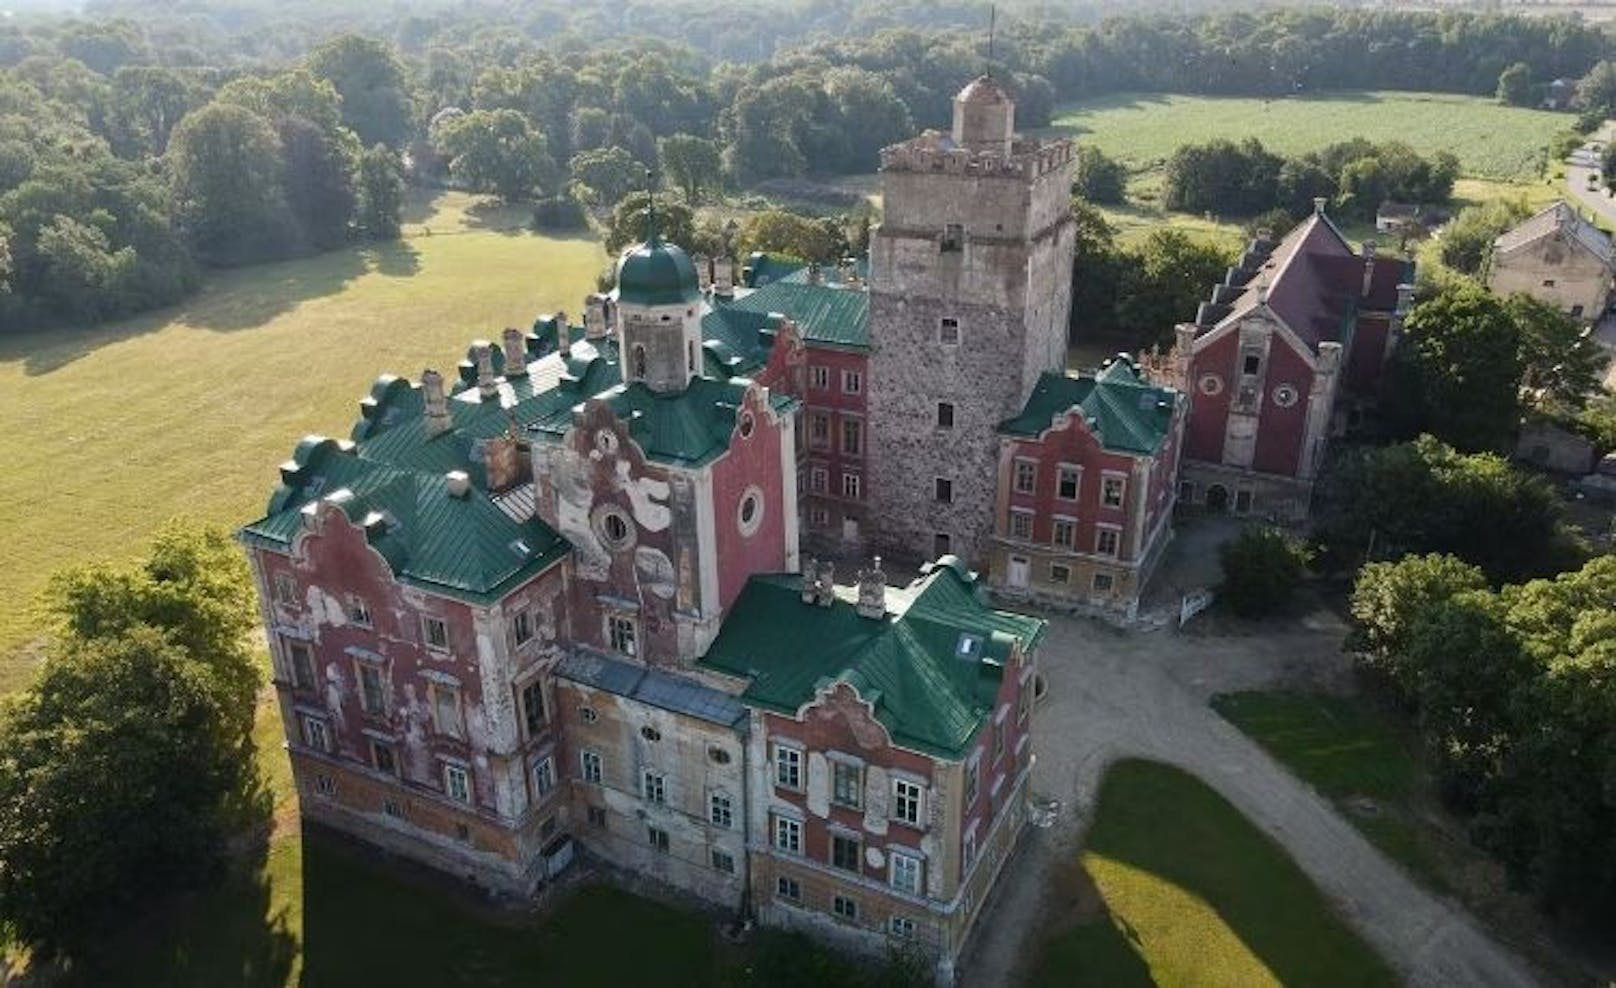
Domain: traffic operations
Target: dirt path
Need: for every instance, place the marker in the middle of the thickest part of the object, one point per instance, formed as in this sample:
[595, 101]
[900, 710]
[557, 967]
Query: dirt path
[1114, 695]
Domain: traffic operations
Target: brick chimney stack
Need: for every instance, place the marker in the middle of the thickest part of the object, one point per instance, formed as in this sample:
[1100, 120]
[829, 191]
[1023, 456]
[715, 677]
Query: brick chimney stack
[487, 386]
[1368, 266]
[437, 405]
[515, 353]
[872, 591]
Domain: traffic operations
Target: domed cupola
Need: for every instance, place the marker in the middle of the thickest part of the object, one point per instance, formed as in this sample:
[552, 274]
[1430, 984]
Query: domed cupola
[656, 273]
[984, 116]
[658, 313]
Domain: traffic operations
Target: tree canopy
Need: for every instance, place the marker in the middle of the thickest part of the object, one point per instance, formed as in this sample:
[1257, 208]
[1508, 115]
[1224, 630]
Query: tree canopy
[1457, 372]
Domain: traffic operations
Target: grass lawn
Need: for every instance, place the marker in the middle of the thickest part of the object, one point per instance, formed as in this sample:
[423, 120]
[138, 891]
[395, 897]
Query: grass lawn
[1177, 888]
[1491, 141]
[187, 411]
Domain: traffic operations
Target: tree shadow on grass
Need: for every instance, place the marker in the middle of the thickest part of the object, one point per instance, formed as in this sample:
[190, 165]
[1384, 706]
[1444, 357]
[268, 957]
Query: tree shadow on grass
[1085, 943]
[394, 259]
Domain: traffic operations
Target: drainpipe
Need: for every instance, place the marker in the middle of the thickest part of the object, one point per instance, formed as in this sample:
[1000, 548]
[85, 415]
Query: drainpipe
[746, 826]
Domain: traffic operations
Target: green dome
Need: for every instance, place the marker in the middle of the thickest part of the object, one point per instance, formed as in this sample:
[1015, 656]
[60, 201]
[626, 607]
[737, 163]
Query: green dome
[656, 273]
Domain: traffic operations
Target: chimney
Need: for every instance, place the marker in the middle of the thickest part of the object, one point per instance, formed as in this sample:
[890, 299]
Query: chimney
[810, 580]
[1319, 203]
[515, 353]
[1368, 266]
[483, 352]
[825, 584]
[847, 271]
[814, 276]
[1405, 299]
[723, 276]
[437, 406]
[872, 591]
[704, 271]
[596, 325]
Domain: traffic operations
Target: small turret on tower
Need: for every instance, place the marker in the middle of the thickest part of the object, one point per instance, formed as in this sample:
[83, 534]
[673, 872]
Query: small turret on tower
[984, 116]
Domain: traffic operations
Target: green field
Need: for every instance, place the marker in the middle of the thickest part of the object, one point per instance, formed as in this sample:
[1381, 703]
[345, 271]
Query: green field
[188, 411]
[1491, 141]
[1177, 888]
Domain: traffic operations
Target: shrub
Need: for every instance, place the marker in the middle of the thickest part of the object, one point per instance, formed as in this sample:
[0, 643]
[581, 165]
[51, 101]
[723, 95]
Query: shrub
[1261, 569]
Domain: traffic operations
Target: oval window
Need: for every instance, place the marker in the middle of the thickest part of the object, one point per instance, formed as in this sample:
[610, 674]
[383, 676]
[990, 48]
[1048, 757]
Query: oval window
[606, 441]
[614, 527]
[747, 425]
[718, 755]
[749, 512]
[588, 715]
[1211, 384]
[1285, 396]
[650, 733]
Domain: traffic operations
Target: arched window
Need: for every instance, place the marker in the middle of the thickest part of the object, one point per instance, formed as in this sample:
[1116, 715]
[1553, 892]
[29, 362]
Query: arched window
[639, 360]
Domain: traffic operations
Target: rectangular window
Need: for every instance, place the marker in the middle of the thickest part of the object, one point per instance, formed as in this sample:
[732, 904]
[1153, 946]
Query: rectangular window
[721, 810]
[845, 852]
[315, 734]
[1026, 476]
[522, 628]
[819, 431]
[788, 834]
[446, 710]
[908, 800]
[457, 783]
[1023, 707]
[968, 852]
[621, 635]
[1021, 524]
[372, 691]
[945, 415]
[1102, 583]
[1063, 533]
[1242, 502]
[1060, 573]
[325, 785]
[998, 741]
[382, 757]
[847, 784]
[852, 486]
[544, 776]
[1106, 541]
[392, 808]
[658, 838]
[818, 517]
[1111, 490]
[844, 907]
[435, 633]
[654, 788]
[819, 377]
[1253, 363]
[953, 239]
[852, 382]
[818, 479]
[901, 927]
[852, 437]
[590, 764]
[533, 708]
[787, 888]
[972, 774]
[358, 611]
[787, 767]
[943, 490]
[948, 332]
[285, 589]
[301, 658]
[941, 545]
[1067, 480]
[905, 873]
[724, 862]
[596, 816]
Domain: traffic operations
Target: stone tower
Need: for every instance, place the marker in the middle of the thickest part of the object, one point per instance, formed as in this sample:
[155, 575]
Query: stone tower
[658, 314]
[970, 288]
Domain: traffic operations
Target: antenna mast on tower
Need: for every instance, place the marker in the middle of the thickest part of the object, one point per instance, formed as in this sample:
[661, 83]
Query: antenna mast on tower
[993, 15]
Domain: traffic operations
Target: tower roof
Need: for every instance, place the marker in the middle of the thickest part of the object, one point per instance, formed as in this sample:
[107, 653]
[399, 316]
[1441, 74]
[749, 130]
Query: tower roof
[656, 273]
[983, 89]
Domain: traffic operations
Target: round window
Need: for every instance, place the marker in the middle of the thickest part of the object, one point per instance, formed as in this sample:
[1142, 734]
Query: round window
[1211, 384]
[614, 527]
[1285, 396]
[749, 512]
[606, 441]
[650, 734]
[588, 715]
[718, 755]
[747, 425]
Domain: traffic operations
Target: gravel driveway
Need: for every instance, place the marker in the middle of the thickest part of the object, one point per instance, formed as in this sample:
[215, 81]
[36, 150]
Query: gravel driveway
[1116, 695]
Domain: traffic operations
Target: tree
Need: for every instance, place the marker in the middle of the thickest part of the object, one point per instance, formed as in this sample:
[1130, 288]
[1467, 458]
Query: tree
[1299, 183]
[151, 101]
[1389, 597]
[691, 163]
[1099, 178]
[1162, 284]
[80, 268]
[1596, 91]
[381, 193]
[229, 190]
[1515, 85]
[370, 80]
[870, 115]
[675, 222]
[319, 178]
[496, 151]
[1467, 242]
[602, 177]
[298, 93]
[1562, 365]
[777, 231]
[1457, 372]
[1262, 567]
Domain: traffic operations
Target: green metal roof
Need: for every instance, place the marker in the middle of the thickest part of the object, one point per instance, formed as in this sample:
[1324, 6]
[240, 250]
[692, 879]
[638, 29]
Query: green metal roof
[656, 273]
[737, 342]
[1126, 412]
[685, 428]
[931, 668]
[824, 313]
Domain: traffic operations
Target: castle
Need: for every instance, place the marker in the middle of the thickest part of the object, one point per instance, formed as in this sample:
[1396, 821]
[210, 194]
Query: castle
[578, 596]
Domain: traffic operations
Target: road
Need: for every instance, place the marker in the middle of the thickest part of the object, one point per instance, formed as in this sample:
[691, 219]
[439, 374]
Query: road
[1583, 165]
[1117, 695]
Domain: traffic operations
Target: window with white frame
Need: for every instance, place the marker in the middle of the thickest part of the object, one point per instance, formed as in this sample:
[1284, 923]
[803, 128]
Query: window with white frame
[590, 764]
[904, 872]
[435, 633]
[457, 783]
[788, 888]
[908, 802]
[657, 838]
[1103, 583]
[846, 852]
[301, 659]
[1060, 573]
[852, 486]
[948, 331]
[1020, 524]
[1026, 476]
[787, 767]
[372, 689]
[852, 382]
[1068, 480]
[847, 784]
[285, 589]
[358, 611]
[971, 781]
[818, 376]
[315, 733]
[968, 852]
[382, 758]
[654, 787]
[533, 708]
[845, 907]
[818, 479]
[622, 634]
[818, 516]
[1107, 540]
[1063, 533]
[325, 785]
[721, 810]
[522, 628]
[723, 861]
[852, 437]
[1112, 487]
[788, 834]
[819, 430]
[544, 776]
[901, 927]
[446, 710]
